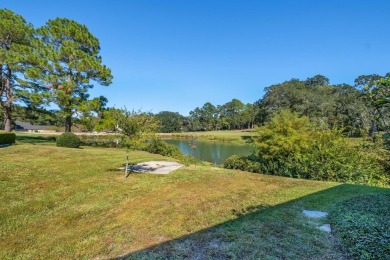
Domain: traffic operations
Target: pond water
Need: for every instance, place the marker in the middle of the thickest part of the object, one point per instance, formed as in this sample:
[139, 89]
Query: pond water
[214, 152]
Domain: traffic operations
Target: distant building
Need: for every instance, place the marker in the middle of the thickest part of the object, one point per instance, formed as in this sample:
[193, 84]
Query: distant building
[28, 127]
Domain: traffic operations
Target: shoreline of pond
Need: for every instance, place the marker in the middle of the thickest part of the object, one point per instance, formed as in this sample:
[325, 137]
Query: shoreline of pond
[210, 151]
[234, 139]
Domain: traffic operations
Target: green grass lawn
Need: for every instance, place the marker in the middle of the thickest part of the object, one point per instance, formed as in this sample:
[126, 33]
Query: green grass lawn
[74, 203]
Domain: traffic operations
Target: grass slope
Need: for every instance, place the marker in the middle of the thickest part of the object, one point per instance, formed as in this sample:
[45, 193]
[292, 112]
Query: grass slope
[73, 203]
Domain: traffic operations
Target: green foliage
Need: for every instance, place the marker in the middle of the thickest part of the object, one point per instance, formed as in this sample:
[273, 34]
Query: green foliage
[170, 122]
[100, 140]
[376, 93]
[242, 163]
[68, 140]
[70, 64]
[317, 80]
[157, 146]
[7, 138]
[330, 106]
[290, 146]
[362, 223]
[231, 115]
[91, 111]
[285, 134]
[17, 59]
[110, 120]
[137, 128]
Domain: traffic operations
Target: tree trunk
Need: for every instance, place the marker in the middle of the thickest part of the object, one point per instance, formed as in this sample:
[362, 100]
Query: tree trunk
[7, 118]
[7, 104]
[68, 124]
[373, 128]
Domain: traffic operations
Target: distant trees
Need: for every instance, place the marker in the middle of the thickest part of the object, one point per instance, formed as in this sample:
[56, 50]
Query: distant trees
[341, 106]
[231, 115]
[169, 122]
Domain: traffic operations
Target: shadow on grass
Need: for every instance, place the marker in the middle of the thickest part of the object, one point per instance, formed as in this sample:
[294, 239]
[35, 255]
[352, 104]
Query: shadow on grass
[263, 232]
[32, 139]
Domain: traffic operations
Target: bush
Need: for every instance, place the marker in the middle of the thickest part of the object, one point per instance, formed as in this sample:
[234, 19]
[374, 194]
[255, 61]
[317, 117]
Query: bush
[244, 163]
[100, 140]
[236, 162]
[362, 224]
[290, 146]
[68, 140]
[157, 146]
[7, 138]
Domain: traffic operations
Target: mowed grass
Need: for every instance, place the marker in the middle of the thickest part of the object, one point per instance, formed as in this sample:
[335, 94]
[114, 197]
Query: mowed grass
[74, 203]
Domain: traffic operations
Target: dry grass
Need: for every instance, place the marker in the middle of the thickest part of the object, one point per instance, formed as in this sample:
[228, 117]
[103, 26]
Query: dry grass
[73, 203]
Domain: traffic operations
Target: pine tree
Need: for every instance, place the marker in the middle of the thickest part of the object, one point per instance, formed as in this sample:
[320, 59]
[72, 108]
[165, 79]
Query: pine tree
[72, 64]
[16, 57]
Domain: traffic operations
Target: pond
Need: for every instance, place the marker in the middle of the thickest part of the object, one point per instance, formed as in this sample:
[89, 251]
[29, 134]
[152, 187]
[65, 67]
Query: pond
[214, 152]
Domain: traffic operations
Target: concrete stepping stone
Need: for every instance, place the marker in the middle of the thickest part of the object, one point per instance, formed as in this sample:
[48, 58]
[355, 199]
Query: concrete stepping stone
[326, 228]
[315, 214]
[155, 167]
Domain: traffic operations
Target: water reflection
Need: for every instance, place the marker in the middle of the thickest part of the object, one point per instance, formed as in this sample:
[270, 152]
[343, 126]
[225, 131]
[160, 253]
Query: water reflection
[213, 152]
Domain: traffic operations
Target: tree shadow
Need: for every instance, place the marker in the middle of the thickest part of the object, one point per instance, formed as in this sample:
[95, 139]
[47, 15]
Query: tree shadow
[31, 139]
[262, 232]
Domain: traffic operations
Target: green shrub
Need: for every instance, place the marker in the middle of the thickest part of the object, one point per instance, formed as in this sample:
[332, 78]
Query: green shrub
[236, 162]
[100, 140]
[157, 146]
[290, 146]
[362, 224]
[244, 163]
[7, 138]
[68, 140]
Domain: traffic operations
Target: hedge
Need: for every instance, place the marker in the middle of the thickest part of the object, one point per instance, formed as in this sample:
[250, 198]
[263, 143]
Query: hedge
[7, 138]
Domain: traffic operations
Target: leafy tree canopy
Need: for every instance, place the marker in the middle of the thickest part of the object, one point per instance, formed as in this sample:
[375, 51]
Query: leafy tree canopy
[17, 59]
[71, 64]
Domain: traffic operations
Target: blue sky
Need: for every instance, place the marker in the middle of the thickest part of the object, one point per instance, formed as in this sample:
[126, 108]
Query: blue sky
[177, 55]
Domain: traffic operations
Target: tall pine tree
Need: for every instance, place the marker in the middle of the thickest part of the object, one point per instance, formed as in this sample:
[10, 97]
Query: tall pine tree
[15, 58]
[72, 64]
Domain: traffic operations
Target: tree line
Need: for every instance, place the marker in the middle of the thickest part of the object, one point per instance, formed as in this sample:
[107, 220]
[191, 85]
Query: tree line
[355, 109]
[59, 62]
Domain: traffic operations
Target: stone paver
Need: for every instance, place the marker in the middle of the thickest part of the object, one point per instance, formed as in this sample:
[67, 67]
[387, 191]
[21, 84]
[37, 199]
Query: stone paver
[156, 167]
[326, 228]
[314, 213]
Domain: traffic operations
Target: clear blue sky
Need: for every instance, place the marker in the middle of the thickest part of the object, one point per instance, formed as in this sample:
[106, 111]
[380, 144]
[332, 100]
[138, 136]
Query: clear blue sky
[177, 55]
